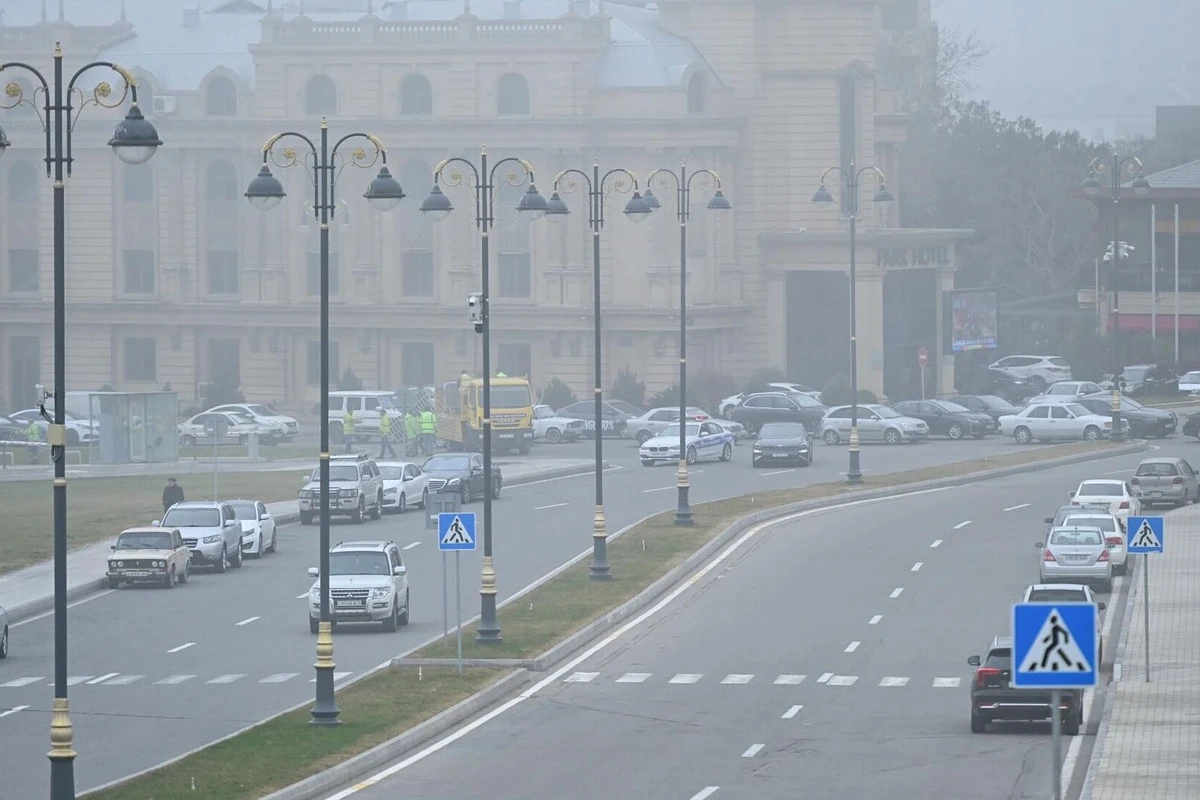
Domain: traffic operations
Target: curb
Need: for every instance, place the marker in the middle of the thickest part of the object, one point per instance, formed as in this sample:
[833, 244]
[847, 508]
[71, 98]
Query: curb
[34, 607]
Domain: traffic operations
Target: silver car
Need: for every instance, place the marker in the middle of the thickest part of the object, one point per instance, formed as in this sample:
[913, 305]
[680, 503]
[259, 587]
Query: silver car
[1076, 555]
[876, 422]
[1170, 481]
[654, 421]
[1112, 528]
[210, 529]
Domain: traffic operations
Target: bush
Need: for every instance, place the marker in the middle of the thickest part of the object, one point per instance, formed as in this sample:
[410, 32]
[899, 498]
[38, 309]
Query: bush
[759, 380]
[836, 391]
[349, 382]
[708, 389]
[867, 396]
[628, 388]
[667, 397]
[556, 394]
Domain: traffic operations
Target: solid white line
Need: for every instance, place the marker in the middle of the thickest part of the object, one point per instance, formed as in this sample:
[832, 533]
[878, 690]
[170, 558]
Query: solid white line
[1118, 472]
[896, 592]
[917, 566]
[102, 678]
[706, 792]
[1089, 695]
[936, 543]
[406, 547]
[247, 621]
[553, 505]
[87, 599]
[181, 647]
[825, 678]
[778, 472]
[850, 648]
[1015, 508]
[791, 712]
[875, 619]
[753, 750]
[962, 524]
[13, 710]
[659, 489]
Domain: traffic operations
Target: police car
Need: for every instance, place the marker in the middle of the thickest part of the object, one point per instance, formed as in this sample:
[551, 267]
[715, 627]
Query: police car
[704, 440]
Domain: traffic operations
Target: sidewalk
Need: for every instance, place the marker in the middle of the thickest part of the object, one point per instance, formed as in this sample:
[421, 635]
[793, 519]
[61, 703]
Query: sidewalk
[1149, 745]
[30, 591]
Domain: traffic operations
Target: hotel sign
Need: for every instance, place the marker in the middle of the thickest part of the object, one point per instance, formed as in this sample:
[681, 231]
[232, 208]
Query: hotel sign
[938, 256]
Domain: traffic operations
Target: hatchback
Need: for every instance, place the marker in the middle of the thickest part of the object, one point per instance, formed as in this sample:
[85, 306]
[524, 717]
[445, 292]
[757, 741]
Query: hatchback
[1076, 555]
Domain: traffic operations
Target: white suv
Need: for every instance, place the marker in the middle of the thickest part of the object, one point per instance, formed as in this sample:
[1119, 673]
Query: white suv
[367, 405]
[368, 582]
[1040, 371]
[355, 489]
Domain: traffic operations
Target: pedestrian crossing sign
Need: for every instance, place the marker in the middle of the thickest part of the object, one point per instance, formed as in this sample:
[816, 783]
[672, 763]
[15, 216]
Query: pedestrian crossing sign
[1055, 645]
[456, 531]
[1145, 535]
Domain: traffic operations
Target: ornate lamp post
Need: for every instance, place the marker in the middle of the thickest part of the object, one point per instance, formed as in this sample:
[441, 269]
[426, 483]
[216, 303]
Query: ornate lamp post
[264, 193]
[850, 183]
[482, 180]
[58, 105]
[637, 209]
[682, 182]
[1091, 186]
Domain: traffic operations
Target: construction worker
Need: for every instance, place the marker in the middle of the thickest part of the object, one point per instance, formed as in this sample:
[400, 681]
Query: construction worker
[348, 423]
[385, 435]
[412, 432]
[428, 431]
[34, 434]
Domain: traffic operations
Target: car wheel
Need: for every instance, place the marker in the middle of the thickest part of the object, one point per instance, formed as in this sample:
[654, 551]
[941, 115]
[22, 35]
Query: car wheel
[425, 498]
[643, 437]
[219, 567]
[169, 581]
[1023, 436]
[4, 642]
[553, 436]
[274, 541]
[955, 432]
[314, 625]
[236, 561]
[402, 504]
[831, 437]
[979, 435]
[377, 509]
[754, 463]
[187, 573]
[391, 623]
[357, 516]
[497, 485]
[72, 438]
[691, 455]
[978, 723]
[1038, 384]
[306, 519]
[807, 462]
[188, 441]
[404, 615]
[1106, 586]
[727, 452]
[114, 583]
[891, 436]
[1071, 726]
[1091, 433]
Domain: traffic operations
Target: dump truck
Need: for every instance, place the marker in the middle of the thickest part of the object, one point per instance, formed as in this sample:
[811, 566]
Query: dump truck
[459, 409]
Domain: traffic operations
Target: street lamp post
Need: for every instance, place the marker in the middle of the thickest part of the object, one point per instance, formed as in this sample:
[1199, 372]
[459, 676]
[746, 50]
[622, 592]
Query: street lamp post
[134, 142]
[850, 180]
[264, 193]
[1133, 165]
[637, 209]
[682, 182]
[482, 179]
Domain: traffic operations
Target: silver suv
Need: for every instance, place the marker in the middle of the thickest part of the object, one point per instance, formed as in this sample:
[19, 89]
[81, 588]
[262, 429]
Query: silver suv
[210, 529]
[355, 489]
[368, 582]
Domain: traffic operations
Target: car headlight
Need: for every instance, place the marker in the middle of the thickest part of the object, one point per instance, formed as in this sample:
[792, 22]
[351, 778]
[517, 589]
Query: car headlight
[160, 563]
[315, 593]
[348, 492]
[118, 564]
[305, 493]
[757, 449]
[381, 593]
[389, 491]
[216, 537]
[454, 481]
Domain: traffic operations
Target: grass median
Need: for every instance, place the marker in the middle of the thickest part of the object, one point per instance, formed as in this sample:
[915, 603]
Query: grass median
[540, 619]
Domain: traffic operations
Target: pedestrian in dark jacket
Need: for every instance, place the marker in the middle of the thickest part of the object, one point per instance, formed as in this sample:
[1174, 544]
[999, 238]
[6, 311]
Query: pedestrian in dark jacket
[172, 494]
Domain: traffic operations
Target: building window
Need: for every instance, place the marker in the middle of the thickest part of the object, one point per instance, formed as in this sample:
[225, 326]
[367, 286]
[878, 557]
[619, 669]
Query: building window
[513, 96]
[225, 362]
[312, 273]
[22, 183]
[24, 273]
[515, 360]
[320, 96]
[139, 360]
[137, 184]
[221, 98]
[697, 94]
[139, 271]
[24, 368]
[312, 363]
[416, 364]
[513, 274]
[416, 95]
[416, 273]
[223, 271]
[221, 182]
[847, 131]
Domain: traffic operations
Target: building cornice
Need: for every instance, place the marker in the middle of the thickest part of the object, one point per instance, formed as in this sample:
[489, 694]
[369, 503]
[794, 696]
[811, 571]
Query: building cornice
[886, 237]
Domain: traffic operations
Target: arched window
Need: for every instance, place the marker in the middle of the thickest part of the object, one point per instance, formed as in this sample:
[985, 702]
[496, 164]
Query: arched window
[221, 182]
[417, 264]
[137, 185]
[513, 96]
[22, 183]
[697, 94]
[320, 96]
[221, 97]
[416, 95]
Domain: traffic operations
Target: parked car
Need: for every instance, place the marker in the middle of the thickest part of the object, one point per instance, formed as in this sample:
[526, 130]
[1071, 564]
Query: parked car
[994, 381]
[755, 410]
[736, 428]
[368, 582]
[266, 417]
[553, 427]
[992, 405]
[3, 632]
[462, 473]
[1040, 371]
[783, 443]
[404, 484]
[1168, 480]
[79, 430]
[875, 423]
[1191, 424]
[704, 440]
[1189, 382]
[1064, 391]
[726, 406]
[1069, 593]
[1055, 422]
[227, 427]
[210, 529]
[355, 489]
[1141, 421]
[945, 418]
[1112, 495]
[1076, 555]
[149, 555]
[652, 423]
[258, 527]
[994, 698]
[616, 416]
[1147, 380]
[1111, 527]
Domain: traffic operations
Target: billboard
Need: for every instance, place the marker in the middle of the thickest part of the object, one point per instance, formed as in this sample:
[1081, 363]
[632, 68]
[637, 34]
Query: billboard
[970, 320]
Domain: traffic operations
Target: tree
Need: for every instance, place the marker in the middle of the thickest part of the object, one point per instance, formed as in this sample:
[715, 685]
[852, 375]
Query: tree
[760, 381]
[667, 397]
[223, 390]
[349, 382]
[556, 394]
[628, 388]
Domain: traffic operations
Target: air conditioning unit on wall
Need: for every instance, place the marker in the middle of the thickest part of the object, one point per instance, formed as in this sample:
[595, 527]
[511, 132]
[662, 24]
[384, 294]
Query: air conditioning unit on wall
[165, 105]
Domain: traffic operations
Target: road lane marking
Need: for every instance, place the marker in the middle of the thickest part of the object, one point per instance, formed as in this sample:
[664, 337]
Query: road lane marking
[12, 710]
[686, 678]
[75, 680]
[737, 679]
[1089, 695]
[946, 683]
[633, 677]
[893, 682]
[181, 647]
[14, 684]
[102, 678]
[247, 621]
[279, 677]
[552, 505]
[659, 489]
[753, 750]
[789, 680]
[896, 592]
[825, 678]
[704, 793]
[124, 680]
[79, 602]
[842, 680]
[406, 547]
[174, 680]
[777, 472]
[936, 543]
[232, 677]
[875, 619]
[1017, 508]
[582, 677]
[791, 712]
[850, 648]
[1118, 472]
[337, 676]
[917, 566]
[962, 524]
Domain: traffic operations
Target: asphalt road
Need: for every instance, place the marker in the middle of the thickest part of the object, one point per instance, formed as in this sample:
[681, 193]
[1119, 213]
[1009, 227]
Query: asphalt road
[224, 651]
[826, 657]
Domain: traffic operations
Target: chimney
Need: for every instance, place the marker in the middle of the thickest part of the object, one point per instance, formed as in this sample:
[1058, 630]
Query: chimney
[582, 7]
[512, 9]
[191, 17]
[397, 10]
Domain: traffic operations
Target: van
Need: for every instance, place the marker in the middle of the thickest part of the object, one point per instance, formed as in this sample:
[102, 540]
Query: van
[367, 405]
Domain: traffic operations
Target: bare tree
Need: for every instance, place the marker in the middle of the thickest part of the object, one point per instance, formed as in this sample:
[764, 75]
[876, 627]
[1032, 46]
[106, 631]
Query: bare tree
[958, 55]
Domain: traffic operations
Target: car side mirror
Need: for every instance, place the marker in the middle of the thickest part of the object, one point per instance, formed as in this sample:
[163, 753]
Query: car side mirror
[407, 478]
[1049, 520]
[400, 570]
[155, 524]
[1071, 493]
[112, 547]
[1040, 545]
[313, 572]
[304, 477]
[476, 470]
[1102, 605]
[264, 517]
[974, 661]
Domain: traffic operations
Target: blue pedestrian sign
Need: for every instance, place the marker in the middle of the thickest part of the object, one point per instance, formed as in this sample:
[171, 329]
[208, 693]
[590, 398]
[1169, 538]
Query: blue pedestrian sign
[1055, 645]
[1145, 535]
[456, 531]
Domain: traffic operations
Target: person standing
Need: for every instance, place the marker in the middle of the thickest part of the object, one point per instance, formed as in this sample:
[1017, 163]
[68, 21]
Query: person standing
[34, 434]
[412, 432]
[385, 435]
[348, 422]
[172, 494]
[428, 431]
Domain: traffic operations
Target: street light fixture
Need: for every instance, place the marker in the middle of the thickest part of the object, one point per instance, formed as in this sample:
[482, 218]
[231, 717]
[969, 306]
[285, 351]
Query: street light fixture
[265, 192]
[1092, 186]
[682, 181]
[850, 180]
[637, 210]
[134, 141]
[482, 180]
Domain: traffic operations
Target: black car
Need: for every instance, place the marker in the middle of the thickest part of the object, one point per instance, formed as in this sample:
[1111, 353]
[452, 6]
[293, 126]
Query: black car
[994, 698]
[615, 416]
[992, 405]
[1144, 422]
[756, 410]
[1191, 425]
[461, 474]
[12, 430]
[1146, 380]
[783, 443]
[996, 381]
[948, 419]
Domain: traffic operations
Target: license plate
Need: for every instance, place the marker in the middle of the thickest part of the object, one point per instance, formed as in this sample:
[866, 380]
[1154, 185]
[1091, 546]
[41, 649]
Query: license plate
[349, 603]
[1077, 558]
[1156, 494]
[779, 455]
[506, 436]
[137, 573]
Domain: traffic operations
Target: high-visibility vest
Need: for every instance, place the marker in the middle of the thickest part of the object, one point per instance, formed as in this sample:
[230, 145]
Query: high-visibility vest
[348, 423]
[385, 425]
[412, 425]
[33, 432]
[428, 422]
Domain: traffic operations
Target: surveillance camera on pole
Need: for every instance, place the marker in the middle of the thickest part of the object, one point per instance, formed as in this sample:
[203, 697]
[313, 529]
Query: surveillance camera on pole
[475, 310]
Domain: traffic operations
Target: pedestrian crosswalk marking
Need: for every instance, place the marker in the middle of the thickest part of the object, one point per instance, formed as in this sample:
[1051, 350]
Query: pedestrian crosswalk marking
[582, 677]
[174, 680]
[789, 680]
[738, 679]
[894, 682]
[825, 678]
[843, 680]
[946, 683]
[686, 677]
[13, 684]
[75, 680]
[1145, 536]
[230, 678]
[1054, 649]
[634, 677]
[102, 678]
[279, 677]
[124, 680]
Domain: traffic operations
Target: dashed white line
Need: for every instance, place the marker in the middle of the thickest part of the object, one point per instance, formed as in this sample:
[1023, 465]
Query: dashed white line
[659, 489]
[279, 677]
[825, 678]
[247, 621]
[633, 677]
[410, 546]
[893, 682]
[232, 677]
[875, 619]
[936, 543]
[174, 680]
[753, 750]
[552, 505]
[75, 680]
[12, 710]
[896, 592]
[686, 677]
[946, 683]
[789, 680]
[582, 677]
[706, 792]
[850, 648]
[337, 676]
[14, 684]
[843, 680]
[1017, 508]
[962, 524]
[124, 680]
[181, 647]
[102, 678]
[738, 679]
[791, 712]
[917, 566]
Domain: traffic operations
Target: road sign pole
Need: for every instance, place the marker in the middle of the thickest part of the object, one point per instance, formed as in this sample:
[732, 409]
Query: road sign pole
[922, 383]
[1056, 743]
[216, 465]
[445, 600]
[458, 608]
[1146, 607]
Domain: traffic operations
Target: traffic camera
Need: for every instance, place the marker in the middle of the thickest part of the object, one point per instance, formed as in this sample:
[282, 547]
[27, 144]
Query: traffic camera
[475, 310]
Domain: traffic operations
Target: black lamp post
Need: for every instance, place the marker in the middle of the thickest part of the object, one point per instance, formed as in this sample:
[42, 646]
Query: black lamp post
[1091, 186]
[682, 181]
[264, 193]
[483, 180]
[637, 209]
[850, 183]
[134, 142]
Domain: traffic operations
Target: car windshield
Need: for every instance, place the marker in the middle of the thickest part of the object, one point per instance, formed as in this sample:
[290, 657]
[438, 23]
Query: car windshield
[1190, 377]
[626, 408]
[447, 463]
[953, 408]
[782, 430]
[885, 412]
[391, 473]
[1100, 489]
[510, 397]
[1157, 469]
[244, 509]
[1135, 373]
[1108, 524]
[1059, 362]
[1078, 410]
[1057, 596]
[1063, 388]
[1077, 537]
[992, 401]
[359, 564]
[261, 411]
[673, 431]
[338, 472]
[192, 518]
[144, 541]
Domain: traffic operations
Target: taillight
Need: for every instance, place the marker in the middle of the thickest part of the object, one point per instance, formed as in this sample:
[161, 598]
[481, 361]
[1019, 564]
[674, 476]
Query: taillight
[1048, 556]
[1124, 504]
[1177, 481]
[983, 673]
[1113, 540]
[1103, 556]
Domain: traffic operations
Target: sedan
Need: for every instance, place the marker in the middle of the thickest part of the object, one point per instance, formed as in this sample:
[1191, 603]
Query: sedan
[875, 423]
[615, 416]
[704, 440]
[258, 527]
[404, 484]
[654, 421]
[265, 416]
[1141, 421]
[1076, 555]
[948, 419]
[461, 474]
[1170, 481]
[1189, 383]
[1114, 496]
[990, 404]
[1055, 422]
[1112, 528]
[1064, 390]
[227, 427]
[79, 430]
[783, 443]
[1068, 593]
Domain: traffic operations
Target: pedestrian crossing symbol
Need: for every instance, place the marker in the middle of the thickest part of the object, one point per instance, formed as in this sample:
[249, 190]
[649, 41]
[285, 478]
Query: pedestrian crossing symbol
[1145, 535]
[1055, 645]
[456, 531]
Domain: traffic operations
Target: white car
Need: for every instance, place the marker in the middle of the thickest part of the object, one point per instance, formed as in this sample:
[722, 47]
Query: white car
[238, 428]
[1040, 371]
[1189, 383]
[650, 424]
[736, 428]
[79, 430]
[1056, 421]
[1111, 495]
[548, 425]
[1068, 593]
[258, 527]
[1065, 391]
[265, 416]
[1111, 526]
[704, 440]
[404, 485]
[368, 582]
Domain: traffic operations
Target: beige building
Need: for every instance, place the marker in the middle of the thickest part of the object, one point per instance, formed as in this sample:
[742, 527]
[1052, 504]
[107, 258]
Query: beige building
[174, 278]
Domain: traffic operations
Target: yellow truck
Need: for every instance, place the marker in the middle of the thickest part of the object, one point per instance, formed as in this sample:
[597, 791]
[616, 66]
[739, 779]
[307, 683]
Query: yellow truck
[459, 409]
